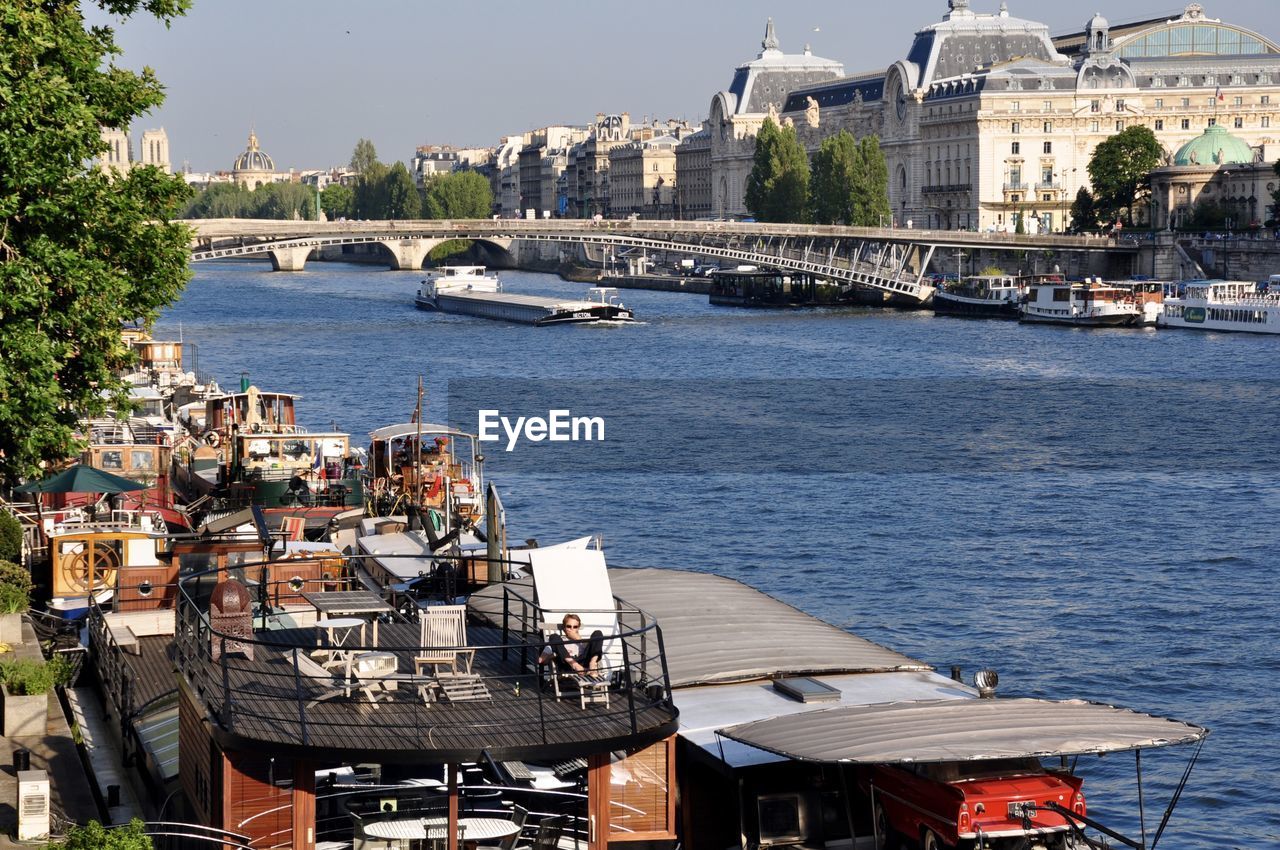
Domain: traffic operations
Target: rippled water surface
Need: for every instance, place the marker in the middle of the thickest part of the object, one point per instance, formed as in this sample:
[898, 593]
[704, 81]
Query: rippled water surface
[1149, 584]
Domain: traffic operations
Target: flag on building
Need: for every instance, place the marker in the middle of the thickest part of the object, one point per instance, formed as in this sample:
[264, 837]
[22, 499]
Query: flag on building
[1221, 98]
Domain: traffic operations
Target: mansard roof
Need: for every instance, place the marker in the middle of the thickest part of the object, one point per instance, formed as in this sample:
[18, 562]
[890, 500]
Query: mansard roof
[769, 77]
[967, 41]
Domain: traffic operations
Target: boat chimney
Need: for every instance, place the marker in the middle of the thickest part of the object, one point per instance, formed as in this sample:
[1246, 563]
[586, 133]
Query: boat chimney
[985, 681]
[244, 382]
[955, 673]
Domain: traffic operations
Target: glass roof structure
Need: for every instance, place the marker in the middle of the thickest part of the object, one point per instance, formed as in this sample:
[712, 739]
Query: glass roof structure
[1184, 38]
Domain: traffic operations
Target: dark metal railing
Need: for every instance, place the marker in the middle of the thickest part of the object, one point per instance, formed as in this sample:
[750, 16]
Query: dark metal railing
[287, 682]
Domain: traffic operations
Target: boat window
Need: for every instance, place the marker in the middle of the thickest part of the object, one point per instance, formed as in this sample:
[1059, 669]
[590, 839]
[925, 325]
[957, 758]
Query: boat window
[640, 785]
[296, 450]
[142, 460]
[1062, 295]
[196, 562]
[112, 460]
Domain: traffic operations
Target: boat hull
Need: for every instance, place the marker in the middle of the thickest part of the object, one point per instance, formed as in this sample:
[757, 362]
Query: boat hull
[947, 304]
[1118, 320]
[525, 310]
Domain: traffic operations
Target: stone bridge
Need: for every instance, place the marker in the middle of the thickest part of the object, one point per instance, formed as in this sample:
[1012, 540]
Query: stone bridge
[893, 260]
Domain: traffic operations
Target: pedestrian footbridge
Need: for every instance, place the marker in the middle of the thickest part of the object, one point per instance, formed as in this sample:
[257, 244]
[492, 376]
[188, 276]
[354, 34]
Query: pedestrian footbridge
[892, 260]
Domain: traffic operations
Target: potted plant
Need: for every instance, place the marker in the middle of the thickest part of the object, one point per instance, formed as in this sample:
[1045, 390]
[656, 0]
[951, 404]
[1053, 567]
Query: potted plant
[26, 686]
[15, 599]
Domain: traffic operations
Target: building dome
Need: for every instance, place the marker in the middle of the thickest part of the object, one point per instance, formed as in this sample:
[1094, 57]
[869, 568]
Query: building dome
[253, 159]
[1097, 23]
[1215, 147]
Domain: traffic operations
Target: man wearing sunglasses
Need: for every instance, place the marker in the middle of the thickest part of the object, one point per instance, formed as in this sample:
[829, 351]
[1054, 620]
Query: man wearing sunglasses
[572, 652]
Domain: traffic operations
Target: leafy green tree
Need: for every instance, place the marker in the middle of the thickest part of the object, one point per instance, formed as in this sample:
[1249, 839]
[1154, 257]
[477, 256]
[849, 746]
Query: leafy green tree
[778, 188]
[337, 201]
[221, 200]
[10, 539]
[94, 836]
[834, 174]
[1084, 217]
[1119, 169]
[363, 157]
[871, 185]
[1275, 196]
[370, 198]
[459, 194]
[287, 201]
[403, 200]
[81, 251]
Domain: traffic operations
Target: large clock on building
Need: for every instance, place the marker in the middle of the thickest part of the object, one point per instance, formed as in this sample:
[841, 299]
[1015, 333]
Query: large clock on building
[898, 97]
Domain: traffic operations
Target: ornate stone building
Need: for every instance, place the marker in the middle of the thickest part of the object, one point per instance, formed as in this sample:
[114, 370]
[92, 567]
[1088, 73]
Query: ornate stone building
[253, 168]
[693, 176]
[119, 155]
[1220, 169]
[759, 88]
[988, 119]
[642, 178]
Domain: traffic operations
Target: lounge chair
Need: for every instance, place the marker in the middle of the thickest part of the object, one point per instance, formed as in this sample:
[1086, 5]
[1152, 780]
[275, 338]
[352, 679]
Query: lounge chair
[444, 640]
[329, 682]
[590, 690]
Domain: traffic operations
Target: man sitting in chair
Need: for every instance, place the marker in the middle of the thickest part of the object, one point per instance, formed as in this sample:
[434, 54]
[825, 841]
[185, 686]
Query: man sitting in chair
[572, 653]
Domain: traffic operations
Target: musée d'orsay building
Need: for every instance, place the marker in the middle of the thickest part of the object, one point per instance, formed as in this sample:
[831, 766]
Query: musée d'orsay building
[989, 118]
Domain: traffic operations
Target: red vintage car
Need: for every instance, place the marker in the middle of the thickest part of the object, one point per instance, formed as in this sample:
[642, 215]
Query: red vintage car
[973, 804]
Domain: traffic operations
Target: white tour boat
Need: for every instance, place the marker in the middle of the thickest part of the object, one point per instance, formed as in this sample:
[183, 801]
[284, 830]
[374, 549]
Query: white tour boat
[1090, 303]
[1223, 305]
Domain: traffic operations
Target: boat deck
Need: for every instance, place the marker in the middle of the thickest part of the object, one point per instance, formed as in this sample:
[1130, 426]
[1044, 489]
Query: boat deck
[270, 703]
[550, 304]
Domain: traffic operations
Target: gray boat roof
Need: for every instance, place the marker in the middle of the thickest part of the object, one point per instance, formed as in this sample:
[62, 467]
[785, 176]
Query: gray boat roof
[950, 730]
[542, 301]
[718, 630]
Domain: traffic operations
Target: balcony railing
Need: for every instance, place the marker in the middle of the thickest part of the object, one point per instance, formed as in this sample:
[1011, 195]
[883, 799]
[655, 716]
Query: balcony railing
[1015, 187]
[1049, 187]
[950, 187]
[278, 681]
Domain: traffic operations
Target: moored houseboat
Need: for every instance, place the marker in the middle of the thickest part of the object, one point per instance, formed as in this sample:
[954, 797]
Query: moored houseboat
[253, 452]
[981, 297]
[1088, 303]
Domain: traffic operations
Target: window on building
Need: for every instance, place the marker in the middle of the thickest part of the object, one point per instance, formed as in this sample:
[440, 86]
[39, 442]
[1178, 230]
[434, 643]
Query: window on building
[1095, 106]
[1159, 103]
[1159, 124]
[1015, 148]
[1015, 127]
[1120, 104]
[1046, 175]
[1266, 121]
[1016, 106]
[1186, 102]
[1094, 127]
[1213, 122]
[1239, 101]
[1266, 100]
[1184, 80]
[1119, 126]
[1048, 147]
[1186, 123]
[1239, 123]
[1048, 126]
[1048, 106]
[1015, 175]
[1212, 101]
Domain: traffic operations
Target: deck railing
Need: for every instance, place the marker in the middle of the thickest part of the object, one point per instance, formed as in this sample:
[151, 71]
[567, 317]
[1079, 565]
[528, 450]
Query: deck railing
[284, 683]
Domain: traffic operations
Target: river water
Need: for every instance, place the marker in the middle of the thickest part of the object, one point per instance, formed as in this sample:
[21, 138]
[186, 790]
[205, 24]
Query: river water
[1091, 513]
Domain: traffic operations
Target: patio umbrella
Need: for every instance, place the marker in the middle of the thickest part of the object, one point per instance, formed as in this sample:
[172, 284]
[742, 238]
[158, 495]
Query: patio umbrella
[82, 479]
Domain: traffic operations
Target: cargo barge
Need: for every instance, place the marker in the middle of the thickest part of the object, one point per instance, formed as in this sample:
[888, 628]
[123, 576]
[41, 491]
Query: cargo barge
[468, 291]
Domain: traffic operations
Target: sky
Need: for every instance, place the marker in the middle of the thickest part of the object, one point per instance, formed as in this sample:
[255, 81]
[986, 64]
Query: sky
[312, 77]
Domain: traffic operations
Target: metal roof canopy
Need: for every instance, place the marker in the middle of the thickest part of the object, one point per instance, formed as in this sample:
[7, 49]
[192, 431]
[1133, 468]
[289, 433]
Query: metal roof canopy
[411, 429]
[961, 730]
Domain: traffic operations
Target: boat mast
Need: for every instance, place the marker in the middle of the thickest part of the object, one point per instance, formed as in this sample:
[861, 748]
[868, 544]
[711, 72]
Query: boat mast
[417, 450]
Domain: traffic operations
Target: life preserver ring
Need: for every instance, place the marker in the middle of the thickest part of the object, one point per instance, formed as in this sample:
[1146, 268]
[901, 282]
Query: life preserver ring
[212, 438]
